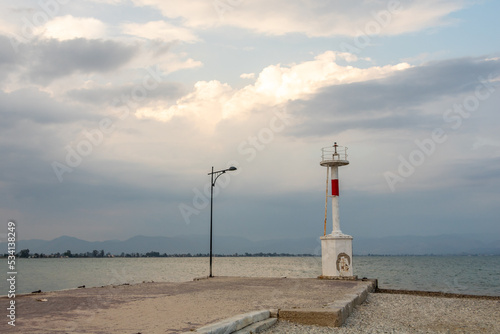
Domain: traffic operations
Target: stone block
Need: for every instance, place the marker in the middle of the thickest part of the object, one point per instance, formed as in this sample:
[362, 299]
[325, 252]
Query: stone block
[319, 317]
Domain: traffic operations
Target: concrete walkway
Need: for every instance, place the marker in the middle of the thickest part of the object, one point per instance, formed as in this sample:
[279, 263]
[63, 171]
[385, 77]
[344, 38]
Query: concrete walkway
[177, 307]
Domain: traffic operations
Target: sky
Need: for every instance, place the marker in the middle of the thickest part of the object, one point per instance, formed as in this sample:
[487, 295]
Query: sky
[113, 113]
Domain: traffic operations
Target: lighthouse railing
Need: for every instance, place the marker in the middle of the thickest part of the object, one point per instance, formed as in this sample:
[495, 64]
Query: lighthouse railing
[338, 153]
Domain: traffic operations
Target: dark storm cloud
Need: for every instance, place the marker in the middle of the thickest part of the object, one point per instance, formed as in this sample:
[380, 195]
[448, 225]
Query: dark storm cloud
[393, 102]
[7, 54]
[8, 60]
[166, 91]
[73, 195]
[482, 173]
[21, 163]
[38, 107]
[86, 200]
[52, 59]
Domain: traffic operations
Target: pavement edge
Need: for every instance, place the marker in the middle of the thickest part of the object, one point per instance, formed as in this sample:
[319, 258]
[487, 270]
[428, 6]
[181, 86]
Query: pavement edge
[333, 314]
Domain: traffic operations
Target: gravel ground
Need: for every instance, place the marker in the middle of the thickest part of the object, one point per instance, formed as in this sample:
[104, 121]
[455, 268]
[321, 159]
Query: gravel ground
[395, 313]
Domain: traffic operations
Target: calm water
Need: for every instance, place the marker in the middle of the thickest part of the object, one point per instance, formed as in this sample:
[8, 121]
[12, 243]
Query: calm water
[457, 274]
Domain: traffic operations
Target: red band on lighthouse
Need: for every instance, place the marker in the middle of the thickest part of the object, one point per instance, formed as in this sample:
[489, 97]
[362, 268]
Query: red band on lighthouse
[335, 187]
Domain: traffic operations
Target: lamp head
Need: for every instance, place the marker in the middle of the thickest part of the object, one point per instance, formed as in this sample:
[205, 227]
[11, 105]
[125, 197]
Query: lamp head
[232, 168]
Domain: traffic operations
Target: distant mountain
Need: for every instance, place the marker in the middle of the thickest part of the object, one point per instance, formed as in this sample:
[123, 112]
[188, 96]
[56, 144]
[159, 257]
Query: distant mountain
[195, 244]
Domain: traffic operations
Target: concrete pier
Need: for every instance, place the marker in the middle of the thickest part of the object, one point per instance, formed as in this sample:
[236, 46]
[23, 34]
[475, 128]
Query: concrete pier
[186, 306]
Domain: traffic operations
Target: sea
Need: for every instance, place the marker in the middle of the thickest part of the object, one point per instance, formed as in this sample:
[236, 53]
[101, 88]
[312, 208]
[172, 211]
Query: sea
[474, 275]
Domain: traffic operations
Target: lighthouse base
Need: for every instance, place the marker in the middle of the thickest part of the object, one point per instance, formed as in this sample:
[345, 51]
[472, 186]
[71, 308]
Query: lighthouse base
[336, 256]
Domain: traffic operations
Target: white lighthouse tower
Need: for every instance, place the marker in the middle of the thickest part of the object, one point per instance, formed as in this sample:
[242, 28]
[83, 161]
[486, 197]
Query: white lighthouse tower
[336, 247]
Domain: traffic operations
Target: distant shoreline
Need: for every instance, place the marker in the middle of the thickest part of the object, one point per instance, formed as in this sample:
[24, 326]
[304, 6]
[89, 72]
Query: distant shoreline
[188, 255]
[149, 255]
[230, 245]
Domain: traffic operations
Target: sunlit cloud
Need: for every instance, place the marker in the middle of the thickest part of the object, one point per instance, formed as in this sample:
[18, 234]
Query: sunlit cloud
[203, 104]
[247, 76]
[313, 17]
[275, 84]
[159, 30]
[70, 27]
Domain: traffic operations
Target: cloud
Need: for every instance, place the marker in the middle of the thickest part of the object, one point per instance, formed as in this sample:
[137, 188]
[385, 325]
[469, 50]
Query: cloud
[159, 30]
[486, 142]
[102, 95]
[7, 54]
[52, 59]
[275, 84]
[111, 2]
[313, 17]
[69, 27]
[398, 101]
[31, 104]
[481, 172]
[8, 60]
[145, 168]
[203, 104]
[31, 192]
[247, 75]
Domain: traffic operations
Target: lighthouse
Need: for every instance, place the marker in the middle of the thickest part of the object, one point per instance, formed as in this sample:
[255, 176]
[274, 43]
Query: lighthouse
[336, 247]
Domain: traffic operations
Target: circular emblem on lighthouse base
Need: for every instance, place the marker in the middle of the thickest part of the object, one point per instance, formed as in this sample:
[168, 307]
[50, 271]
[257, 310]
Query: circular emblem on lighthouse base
[343, 264]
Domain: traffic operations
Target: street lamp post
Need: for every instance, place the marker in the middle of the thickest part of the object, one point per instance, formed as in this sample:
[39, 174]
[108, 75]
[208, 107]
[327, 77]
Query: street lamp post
[212, 183]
